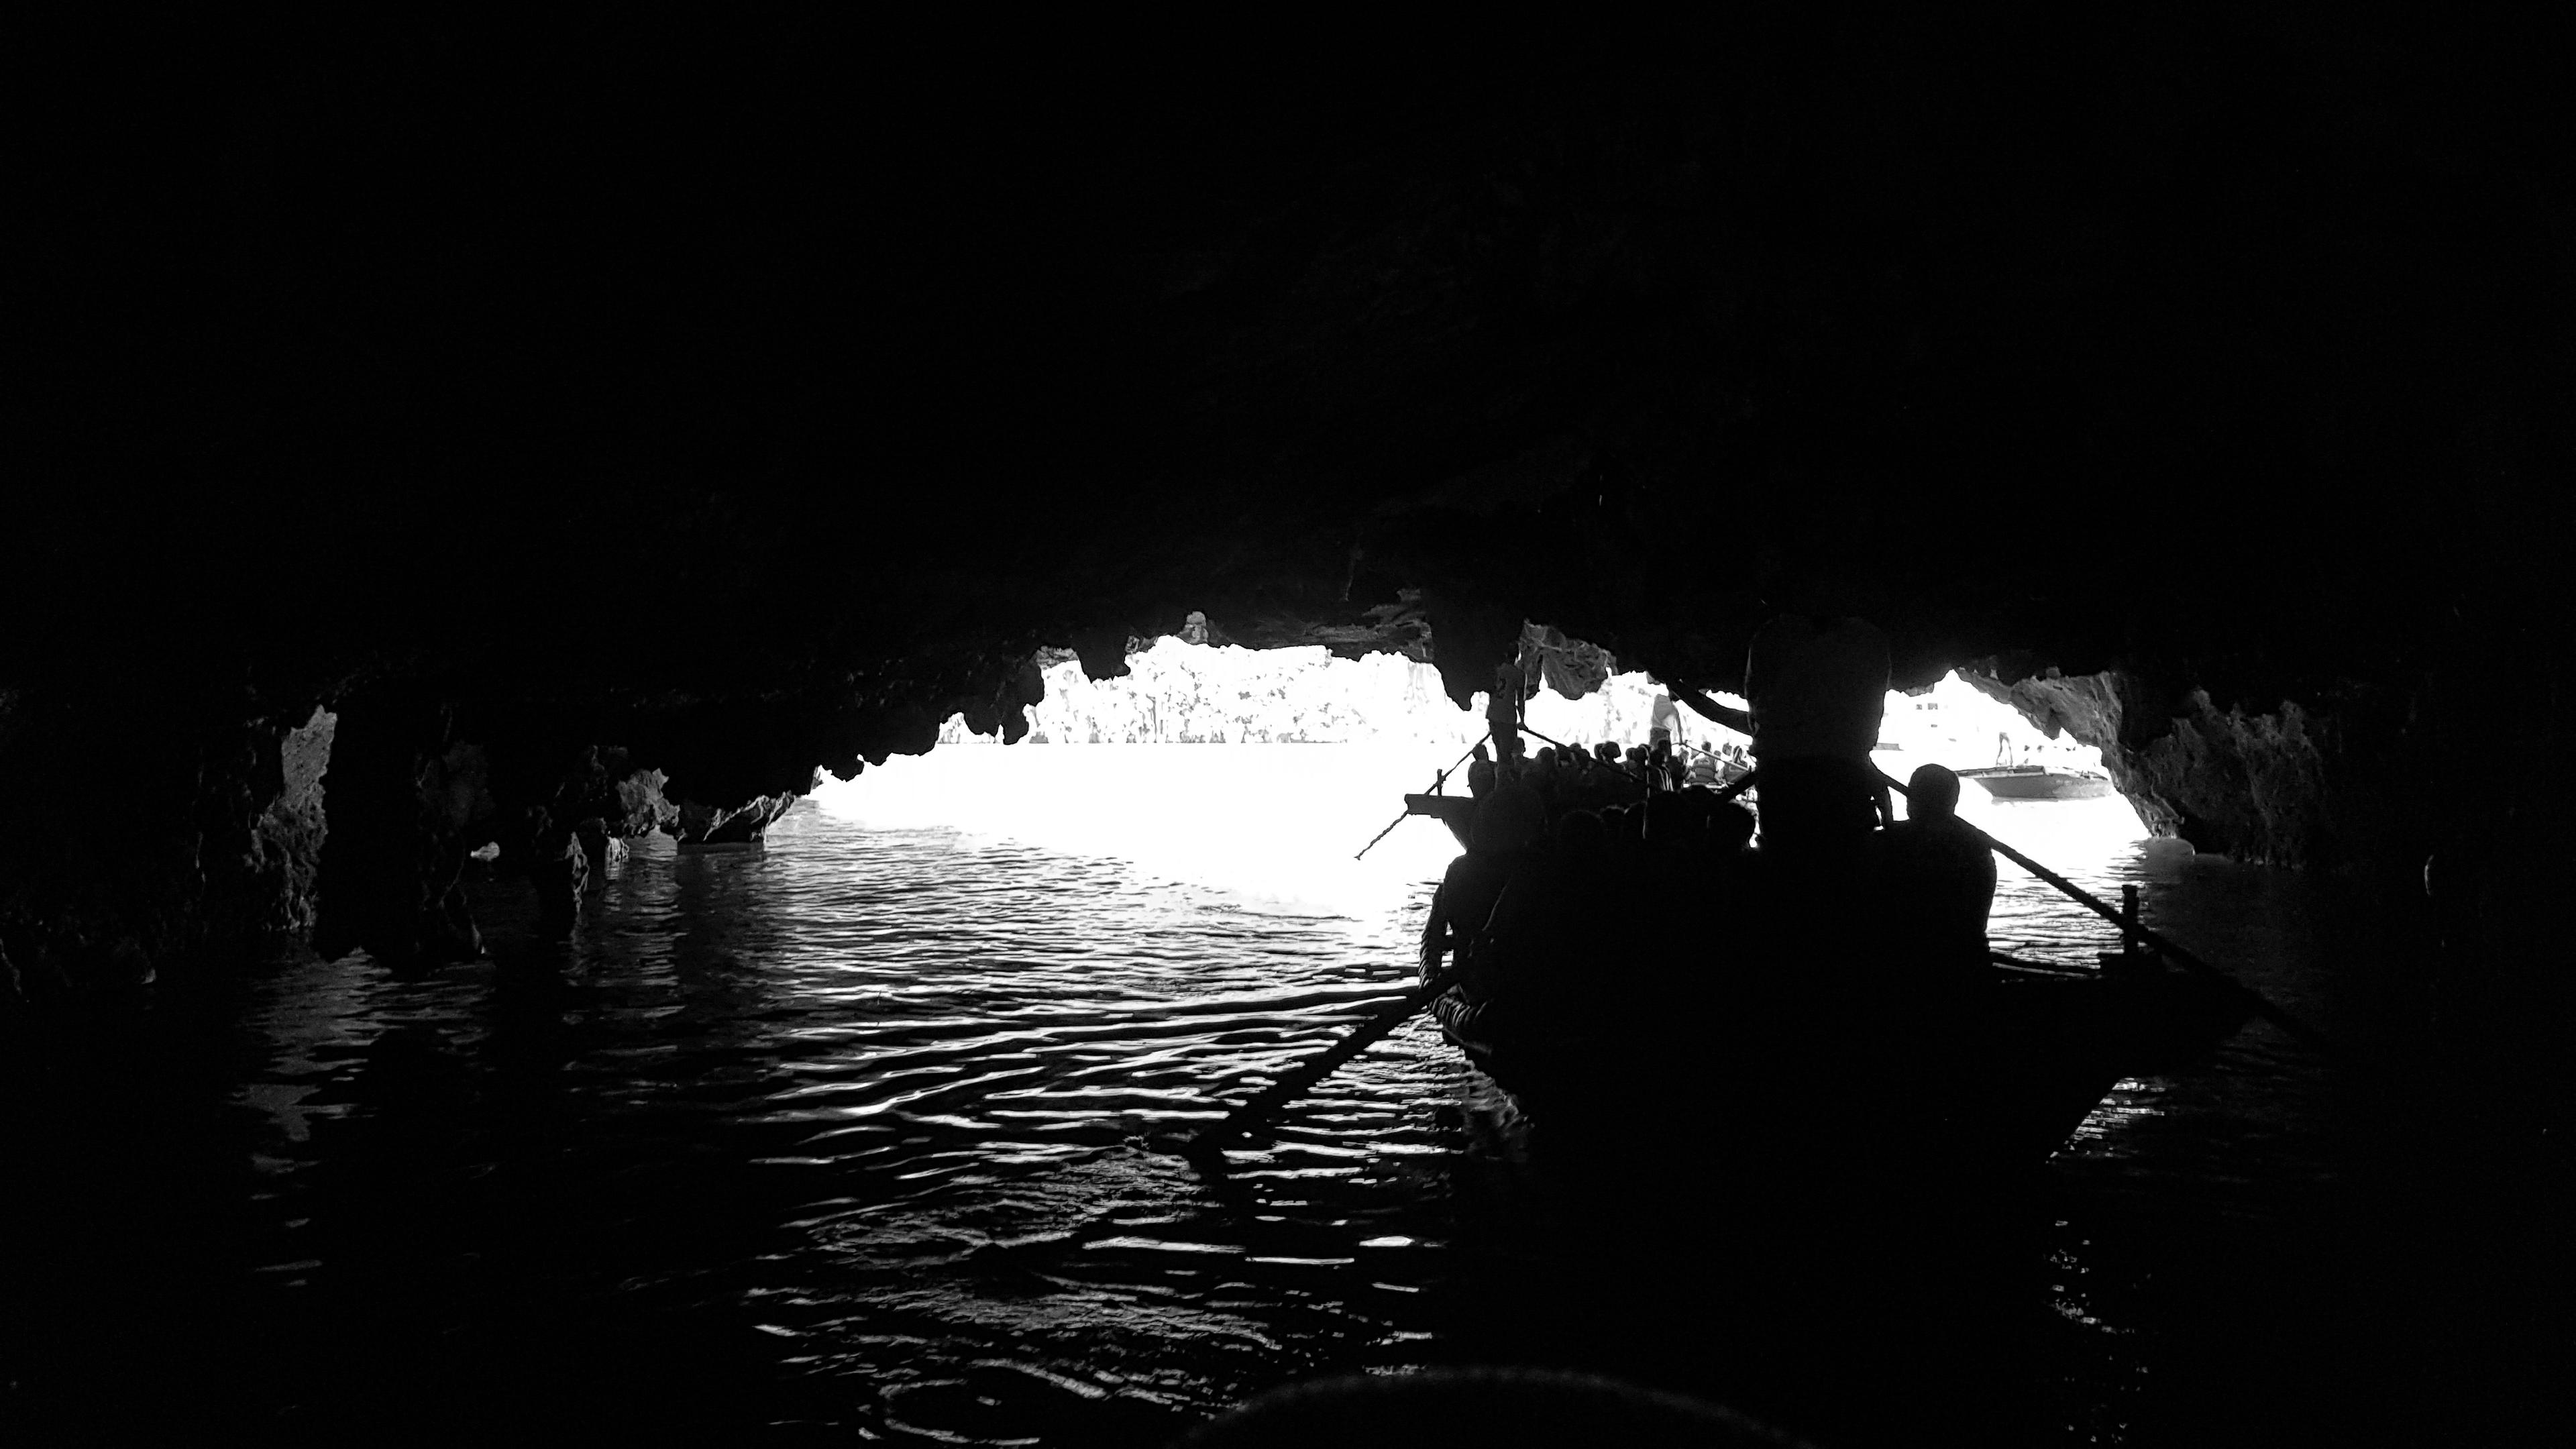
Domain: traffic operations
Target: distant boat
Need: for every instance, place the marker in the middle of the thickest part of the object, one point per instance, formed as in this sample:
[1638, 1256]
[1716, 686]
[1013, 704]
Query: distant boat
[2038, 782]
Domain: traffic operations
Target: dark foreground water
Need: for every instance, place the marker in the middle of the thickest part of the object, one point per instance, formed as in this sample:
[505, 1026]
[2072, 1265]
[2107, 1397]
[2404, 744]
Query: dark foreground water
[840, 1139]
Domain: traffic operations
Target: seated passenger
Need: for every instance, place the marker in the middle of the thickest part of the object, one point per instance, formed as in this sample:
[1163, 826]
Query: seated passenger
[1538, 772]
[1939, 876]
[1506, 824]
[1702, 771]
[1676, 860]
[1677, 822]
[1616, 829]
[1480, 775]
[1730, 830]
[1563, 918]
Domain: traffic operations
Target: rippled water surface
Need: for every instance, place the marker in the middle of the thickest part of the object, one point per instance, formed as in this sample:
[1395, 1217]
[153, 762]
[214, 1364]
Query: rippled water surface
[853, 1134]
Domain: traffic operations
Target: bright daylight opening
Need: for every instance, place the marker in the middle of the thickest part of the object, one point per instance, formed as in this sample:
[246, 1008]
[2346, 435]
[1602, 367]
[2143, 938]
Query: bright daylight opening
[1263, 772]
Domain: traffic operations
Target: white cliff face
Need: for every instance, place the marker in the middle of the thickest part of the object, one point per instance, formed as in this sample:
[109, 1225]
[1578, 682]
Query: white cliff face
[1622, 712]
[1955, 724]
[1176, 692]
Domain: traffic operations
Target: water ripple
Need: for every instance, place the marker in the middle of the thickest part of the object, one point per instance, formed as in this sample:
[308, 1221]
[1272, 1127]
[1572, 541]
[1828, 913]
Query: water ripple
[879, 1093]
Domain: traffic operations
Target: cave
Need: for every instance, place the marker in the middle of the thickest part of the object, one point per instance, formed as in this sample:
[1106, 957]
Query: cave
[574, 442]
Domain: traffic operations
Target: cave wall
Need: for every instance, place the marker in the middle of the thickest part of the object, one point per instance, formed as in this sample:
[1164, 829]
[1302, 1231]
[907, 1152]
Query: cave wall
[667, 402]
[2275, 787]
[153, 830]
[2383, 773]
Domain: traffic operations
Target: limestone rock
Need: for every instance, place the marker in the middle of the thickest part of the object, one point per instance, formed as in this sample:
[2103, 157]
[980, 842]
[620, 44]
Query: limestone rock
[2272, 786]
[408, 801]
[738, 825]
[561, 875]
[604, 853]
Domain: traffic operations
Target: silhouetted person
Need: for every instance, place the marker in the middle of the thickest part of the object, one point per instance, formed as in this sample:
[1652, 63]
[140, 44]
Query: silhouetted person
[1817, 692]
[1503, 712]
[1579, 839]
[1562, 922]
[1940, 877]
[1507, 822]
[1480, 774]
[1730, 829]
[1539, 773]
[1702, 770]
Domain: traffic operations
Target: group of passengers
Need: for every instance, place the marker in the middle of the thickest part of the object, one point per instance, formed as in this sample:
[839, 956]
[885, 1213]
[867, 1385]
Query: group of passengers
[1582, 871]
[1608, 775]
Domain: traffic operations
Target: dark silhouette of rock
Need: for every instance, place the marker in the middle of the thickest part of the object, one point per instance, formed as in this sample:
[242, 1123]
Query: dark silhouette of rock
[604, 854]
[408, 802]
[561, 876]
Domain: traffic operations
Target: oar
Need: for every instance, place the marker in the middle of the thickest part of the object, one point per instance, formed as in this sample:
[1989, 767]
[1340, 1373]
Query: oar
[1242, 1120]
[1436, 782]
[2155, 940]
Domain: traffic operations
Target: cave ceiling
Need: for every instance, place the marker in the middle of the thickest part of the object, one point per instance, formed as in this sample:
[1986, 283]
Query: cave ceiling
[634, 369]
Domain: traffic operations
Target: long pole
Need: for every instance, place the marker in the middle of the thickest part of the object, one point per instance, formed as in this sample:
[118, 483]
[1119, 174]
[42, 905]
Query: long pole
[2152, 939]
[1436, 782]
[1314, 1069]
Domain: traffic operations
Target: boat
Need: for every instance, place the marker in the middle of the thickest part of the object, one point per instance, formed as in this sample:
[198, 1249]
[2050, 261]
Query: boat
[1779, 1017]
[2039, 782]
[2006, 1081]
[1458, 812]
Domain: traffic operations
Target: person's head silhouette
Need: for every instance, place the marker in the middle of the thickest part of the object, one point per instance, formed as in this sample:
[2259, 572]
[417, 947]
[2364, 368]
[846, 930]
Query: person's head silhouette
[1932, 794]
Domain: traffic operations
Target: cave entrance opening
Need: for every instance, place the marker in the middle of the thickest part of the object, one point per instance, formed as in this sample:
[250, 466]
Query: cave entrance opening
[1263, 771]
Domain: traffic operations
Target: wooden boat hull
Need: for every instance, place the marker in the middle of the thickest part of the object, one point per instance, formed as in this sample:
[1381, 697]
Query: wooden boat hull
[1458, 812]
[2005, 1077]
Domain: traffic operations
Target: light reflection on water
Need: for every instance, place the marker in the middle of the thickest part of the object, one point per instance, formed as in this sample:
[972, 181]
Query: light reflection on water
[809, 1089]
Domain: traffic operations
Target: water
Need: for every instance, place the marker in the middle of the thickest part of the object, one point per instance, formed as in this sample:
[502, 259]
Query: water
[850, 1136]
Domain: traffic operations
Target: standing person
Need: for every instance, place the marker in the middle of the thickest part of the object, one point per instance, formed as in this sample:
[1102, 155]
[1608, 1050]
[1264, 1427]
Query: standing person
[1503, 713]
[1663, 719]
[1818, 691]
